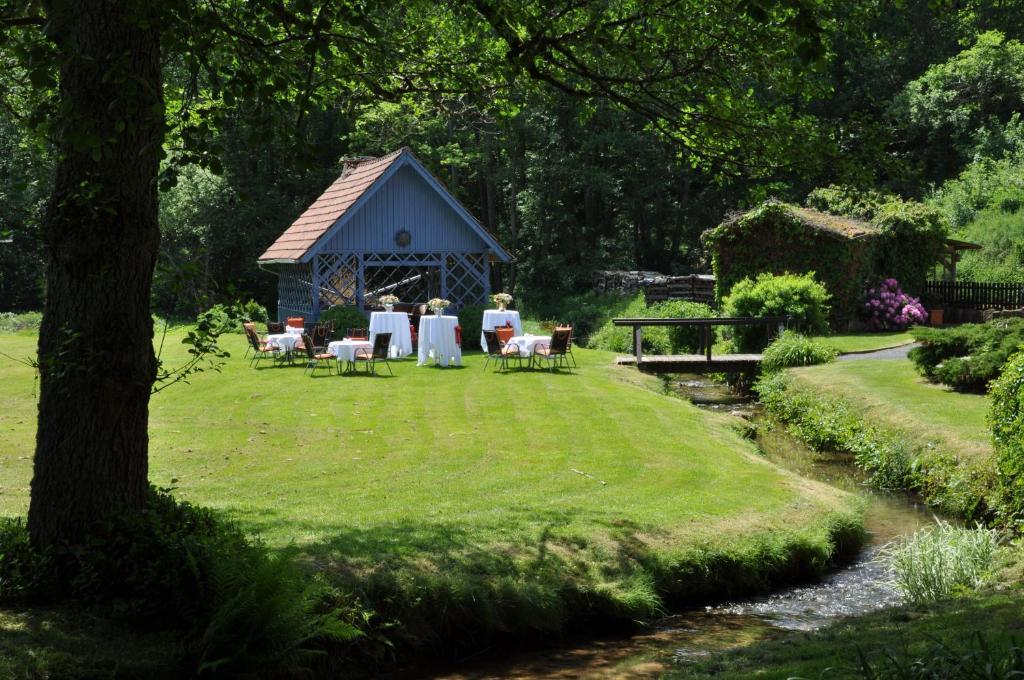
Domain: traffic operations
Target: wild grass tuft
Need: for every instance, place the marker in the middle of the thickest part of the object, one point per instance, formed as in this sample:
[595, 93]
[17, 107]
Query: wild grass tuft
[942, 560]
[794, 349]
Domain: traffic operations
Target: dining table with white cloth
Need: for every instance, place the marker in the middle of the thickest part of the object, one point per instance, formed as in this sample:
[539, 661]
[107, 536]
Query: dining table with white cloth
[493, 318]
[283, 341]
[345, 350]
[396, 323]
[294, 330]
[527, 342]
[437, 340]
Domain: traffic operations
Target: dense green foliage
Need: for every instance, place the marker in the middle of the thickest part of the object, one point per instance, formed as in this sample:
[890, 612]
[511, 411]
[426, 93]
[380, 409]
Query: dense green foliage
[11, 322]
[791, 348]
[240, 608]
[657, 339]
[969, 356]
[890, 449]
[345, 317]
[1007, 421]
[229, 318]
[798, 295]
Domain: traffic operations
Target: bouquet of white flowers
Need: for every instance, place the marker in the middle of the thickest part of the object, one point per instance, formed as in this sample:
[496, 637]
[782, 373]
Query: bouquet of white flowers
[388, 299]
[502, 298]
[438, 304]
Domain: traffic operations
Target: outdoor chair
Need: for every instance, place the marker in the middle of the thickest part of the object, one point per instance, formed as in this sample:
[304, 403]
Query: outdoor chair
[415, 337]
[314, 358]
[321, 335]
[275, 327]
[568, 349]
[358, 334]
[500, 353]
[381, 350]
[458, 336]
[259, 348]
[296, 322]
[555, 352]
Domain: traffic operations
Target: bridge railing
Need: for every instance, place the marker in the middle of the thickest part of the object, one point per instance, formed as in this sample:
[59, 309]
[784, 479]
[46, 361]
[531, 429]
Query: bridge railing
[706, 324]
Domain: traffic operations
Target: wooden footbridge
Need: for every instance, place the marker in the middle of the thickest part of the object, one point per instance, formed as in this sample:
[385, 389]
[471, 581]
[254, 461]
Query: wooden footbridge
[703, 362]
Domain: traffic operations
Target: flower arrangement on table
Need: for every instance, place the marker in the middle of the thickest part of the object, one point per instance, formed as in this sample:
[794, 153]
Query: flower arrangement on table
[888, 307]
[438, 305]
[502, 300]
[388, 301]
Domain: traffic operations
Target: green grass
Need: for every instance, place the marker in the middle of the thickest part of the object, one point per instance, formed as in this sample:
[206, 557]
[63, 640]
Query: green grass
[449, 502]
[846, 343]
[906, 634]
[892, 393]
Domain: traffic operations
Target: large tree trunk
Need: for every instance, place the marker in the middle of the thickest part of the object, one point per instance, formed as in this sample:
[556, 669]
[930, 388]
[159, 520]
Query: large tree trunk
[101, 235]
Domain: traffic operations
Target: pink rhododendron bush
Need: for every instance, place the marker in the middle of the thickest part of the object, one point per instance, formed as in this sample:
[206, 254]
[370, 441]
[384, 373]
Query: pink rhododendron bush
[887, 307]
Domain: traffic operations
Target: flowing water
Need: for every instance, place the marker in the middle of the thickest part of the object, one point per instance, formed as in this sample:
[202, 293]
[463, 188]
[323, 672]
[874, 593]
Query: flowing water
[857, 588]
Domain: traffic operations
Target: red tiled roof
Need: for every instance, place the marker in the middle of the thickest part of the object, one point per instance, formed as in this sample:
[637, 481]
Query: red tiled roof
[318, 218]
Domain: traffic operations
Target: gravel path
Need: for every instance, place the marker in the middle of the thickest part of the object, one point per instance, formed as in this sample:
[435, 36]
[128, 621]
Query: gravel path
[891, 353]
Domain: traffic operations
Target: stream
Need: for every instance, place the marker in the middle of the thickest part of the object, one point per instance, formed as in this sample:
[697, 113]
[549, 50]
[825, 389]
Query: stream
[857, 588]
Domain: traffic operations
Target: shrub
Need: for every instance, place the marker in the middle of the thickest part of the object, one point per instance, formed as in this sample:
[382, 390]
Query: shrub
[887, 307]
[912, 238]
[471, 318]
[587, 312]
[344, 317]
[658, 339]
[794, 349]
[229, 318]
[178, 566]
[969, 356]
[11, 322]
[937, 562]
[1006, 418]
[798, 295]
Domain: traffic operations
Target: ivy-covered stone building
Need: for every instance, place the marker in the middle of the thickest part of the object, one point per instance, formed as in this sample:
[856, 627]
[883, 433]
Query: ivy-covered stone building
[847, 255]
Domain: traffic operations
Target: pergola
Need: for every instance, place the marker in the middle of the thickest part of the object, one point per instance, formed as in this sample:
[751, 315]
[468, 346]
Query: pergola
[951, 253]
[387, 225]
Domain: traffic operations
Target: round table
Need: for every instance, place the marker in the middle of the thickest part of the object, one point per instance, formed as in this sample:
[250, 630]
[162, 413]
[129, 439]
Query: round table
[437, 340]
[396, 323]
[494, 318]
[292, 330]
[285, 341]
[345, 350]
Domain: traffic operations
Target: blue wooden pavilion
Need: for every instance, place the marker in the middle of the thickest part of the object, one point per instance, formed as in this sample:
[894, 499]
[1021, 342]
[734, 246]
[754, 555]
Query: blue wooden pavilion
[387, 225]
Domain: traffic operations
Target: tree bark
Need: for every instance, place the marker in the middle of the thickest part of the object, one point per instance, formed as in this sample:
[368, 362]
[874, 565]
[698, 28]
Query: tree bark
[100, 233]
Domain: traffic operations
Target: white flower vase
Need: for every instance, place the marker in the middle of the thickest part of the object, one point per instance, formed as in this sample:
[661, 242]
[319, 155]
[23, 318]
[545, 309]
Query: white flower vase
[438, 312]
[389, 308]
[501, 306]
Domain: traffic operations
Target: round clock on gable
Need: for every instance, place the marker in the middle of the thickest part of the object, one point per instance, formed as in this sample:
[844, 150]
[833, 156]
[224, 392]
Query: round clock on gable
[403, 238]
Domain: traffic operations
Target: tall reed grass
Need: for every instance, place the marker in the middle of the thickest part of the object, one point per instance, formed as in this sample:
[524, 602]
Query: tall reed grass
[939, 561]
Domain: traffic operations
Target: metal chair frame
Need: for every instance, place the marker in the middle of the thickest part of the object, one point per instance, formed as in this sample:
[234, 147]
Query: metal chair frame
[313, 358]
[557, 350]
[380, 352]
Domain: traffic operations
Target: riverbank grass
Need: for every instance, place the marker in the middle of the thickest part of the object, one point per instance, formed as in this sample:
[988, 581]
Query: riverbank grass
[457, 505]
[907, 433]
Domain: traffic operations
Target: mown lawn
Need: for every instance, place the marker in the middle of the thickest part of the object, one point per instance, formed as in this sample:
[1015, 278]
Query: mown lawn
[846, 343]
[458, 502]
[894, 394]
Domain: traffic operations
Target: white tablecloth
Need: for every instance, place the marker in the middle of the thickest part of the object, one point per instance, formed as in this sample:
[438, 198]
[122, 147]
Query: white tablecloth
[526, 343]
[494, 318]
[437, 340]
[285, 341]
[345, 350]
[292, 330]
[396, 323]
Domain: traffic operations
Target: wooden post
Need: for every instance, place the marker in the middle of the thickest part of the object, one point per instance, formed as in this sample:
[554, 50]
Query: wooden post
[638, 344]
[706, 330]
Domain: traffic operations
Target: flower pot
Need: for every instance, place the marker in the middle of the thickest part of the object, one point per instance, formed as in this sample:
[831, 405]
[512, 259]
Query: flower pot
[389, 308]
[935, 316]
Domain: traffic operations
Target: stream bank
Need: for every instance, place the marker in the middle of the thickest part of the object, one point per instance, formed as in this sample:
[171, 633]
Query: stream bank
[859, 588]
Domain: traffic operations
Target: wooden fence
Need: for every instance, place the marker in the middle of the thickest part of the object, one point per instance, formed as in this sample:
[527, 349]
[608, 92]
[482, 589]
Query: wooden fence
[697, 288]
[975, 295]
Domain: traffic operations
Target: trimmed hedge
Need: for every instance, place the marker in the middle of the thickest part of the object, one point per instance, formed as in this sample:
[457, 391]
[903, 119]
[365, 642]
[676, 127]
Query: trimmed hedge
[1006, 418]
[969, 356]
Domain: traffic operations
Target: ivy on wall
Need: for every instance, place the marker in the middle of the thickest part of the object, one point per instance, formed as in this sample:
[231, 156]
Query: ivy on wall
[893, 238]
